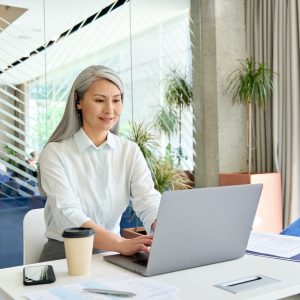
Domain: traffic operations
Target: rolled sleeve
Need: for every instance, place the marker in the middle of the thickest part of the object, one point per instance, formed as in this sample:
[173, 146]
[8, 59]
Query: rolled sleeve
[145, 198]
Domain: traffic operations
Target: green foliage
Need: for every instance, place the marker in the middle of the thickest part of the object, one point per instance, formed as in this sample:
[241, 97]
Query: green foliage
[167, 120]
[140, 133]
[174, 155]
[10, 153]
[164, 174]
[178, 92]
[166, 177]
[177, 96]
[251, 82]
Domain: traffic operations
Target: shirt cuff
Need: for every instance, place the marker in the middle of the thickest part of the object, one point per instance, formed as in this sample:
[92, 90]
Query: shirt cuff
[151, 217]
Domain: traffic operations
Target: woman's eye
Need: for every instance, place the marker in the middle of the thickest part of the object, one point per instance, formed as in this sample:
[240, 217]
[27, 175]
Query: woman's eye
[117, 100]
[99, 100]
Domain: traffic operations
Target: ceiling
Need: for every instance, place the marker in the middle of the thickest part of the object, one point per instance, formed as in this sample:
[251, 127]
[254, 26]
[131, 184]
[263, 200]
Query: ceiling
[42, 21]
[9, 14]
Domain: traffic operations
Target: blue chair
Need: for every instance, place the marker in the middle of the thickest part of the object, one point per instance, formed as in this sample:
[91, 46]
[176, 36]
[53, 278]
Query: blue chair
[129, 219]
[293, 229]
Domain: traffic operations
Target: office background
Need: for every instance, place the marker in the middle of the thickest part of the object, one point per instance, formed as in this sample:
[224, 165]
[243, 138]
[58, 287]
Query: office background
[44, 44]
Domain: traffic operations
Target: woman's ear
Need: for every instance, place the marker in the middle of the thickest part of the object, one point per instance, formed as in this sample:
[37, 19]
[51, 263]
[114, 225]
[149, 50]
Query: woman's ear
[77, 101]
[78, 106]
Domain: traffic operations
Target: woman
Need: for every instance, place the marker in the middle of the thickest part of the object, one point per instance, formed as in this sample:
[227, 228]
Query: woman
[89, 173]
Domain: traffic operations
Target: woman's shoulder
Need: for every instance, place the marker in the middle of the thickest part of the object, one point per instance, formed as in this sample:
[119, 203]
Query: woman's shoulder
[124, 143]
[53, 148]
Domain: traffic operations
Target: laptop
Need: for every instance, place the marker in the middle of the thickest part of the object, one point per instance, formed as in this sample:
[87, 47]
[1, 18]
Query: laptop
[197, 227]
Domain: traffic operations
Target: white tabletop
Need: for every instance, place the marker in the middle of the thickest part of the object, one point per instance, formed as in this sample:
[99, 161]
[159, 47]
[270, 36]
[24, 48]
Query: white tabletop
[193, 283]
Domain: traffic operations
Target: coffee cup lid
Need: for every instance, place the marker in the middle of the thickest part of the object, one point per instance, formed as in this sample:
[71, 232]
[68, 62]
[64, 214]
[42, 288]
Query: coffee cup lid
[77, 232]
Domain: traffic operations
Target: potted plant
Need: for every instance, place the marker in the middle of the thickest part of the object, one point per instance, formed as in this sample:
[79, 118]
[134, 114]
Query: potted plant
[251, 84]
[165, 175]
[177, 97]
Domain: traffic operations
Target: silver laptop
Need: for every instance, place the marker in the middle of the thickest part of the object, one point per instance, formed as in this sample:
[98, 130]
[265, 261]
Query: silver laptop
[197, 227]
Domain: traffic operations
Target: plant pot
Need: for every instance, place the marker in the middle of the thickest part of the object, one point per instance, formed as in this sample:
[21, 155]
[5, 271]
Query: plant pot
[129, 233]
[269, 212]
[191, 177]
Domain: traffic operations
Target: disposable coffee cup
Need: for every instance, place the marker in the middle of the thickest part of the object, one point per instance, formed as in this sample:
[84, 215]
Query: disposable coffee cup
[79, 248]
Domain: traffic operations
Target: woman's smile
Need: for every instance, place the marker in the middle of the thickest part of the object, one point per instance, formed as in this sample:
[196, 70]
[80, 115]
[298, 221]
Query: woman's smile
[107, 119]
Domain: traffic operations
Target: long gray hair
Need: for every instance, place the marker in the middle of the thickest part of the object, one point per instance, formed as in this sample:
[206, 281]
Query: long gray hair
[71, 120]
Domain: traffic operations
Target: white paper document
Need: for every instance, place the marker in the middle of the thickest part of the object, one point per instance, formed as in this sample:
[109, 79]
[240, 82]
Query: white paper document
[274, 244]
[144, 288]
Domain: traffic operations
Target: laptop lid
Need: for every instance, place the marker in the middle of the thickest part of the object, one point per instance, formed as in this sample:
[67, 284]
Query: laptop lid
[198, 227]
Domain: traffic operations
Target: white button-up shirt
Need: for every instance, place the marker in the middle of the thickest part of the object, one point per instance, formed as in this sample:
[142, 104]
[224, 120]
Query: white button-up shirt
[84, 182]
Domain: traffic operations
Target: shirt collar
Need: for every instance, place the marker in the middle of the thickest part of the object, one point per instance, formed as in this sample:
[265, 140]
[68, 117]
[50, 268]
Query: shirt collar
[83, 142]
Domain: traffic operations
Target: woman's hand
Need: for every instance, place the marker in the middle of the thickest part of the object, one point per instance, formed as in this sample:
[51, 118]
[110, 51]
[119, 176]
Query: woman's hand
[108, 241]
[132, 246]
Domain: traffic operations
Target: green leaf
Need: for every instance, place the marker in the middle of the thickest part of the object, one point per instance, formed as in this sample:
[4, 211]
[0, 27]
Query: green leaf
[251, 82]
[166, 120]
[178, 92]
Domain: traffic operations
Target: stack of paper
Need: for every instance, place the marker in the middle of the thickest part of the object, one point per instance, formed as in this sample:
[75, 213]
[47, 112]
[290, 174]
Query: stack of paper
[144, 288]
[274, 245]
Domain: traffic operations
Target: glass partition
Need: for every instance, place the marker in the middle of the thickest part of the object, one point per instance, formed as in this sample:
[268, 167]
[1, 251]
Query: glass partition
[51, 41]
[21, 35]
[161, 50]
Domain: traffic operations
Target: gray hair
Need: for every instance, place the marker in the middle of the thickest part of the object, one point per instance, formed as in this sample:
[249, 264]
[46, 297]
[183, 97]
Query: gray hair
[71, 120]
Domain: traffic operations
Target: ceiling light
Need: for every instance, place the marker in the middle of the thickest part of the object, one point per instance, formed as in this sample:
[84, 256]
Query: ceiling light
[36, 29]
[23, 37]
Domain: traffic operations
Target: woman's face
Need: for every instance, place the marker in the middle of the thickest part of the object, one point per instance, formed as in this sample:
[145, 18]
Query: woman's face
[101, 106]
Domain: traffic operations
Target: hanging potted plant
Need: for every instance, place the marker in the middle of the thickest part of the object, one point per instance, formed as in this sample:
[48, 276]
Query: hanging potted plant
[168, 121]
[251, 84]
[177, 97]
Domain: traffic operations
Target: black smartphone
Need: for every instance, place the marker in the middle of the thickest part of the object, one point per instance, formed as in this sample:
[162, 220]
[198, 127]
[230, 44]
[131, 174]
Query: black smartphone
[38, 275]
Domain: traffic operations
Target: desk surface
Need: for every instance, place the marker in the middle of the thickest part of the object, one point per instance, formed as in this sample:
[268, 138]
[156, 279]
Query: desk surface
[193, 283]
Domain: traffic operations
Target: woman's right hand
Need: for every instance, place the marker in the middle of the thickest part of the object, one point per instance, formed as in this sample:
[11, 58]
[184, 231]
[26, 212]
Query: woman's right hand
[132, 246]
[109, 241]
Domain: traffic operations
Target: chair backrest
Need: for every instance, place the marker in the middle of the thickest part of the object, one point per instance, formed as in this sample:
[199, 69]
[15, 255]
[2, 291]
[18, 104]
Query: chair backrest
[33, 235]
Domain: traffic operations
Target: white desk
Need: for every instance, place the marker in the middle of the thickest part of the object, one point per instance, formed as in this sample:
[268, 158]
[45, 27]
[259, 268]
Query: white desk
[193, 283]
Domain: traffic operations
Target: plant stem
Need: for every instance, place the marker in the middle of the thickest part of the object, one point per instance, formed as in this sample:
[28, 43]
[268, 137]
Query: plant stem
[249, 137]
[180, 149]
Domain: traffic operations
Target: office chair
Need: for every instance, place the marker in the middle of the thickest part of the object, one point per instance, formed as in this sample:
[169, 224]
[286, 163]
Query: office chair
[33, 235]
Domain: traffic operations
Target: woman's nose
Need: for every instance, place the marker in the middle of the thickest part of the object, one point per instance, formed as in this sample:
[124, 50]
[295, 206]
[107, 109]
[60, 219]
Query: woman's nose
[108, 108]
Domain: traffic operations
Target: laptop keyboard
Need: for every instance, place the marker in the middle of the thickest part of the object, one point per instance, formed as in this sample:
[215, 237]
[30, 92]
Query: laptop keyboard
[140, 258]
[143, 262]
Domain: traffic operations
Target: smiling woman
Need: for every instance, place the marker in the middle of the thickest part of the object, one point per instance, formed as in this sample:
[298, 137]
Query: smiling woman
[100, 108]
[89, 173]
[142, 40]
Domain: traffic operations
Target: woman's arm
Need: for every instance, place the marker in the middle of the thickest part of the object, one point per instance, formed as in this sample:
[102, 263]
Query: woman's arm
[106, 240]
[63, 206]
[145, 198]
[66, 208]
